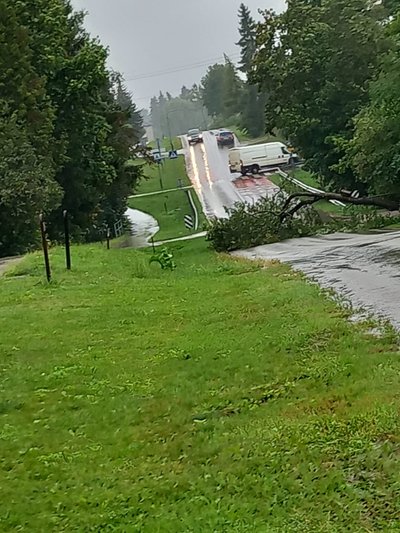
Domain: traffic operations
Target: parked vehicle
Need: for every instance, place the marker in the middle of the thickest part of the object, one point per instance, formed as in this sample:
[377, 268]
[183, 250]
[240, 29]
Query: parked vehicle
[195, 136]
[253, 158]
[225, 138]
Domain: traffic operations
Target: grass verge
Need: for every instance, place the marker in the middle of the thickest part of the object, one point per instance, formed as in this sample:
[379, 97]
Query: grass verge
[170, 208]
[166, 143]
[223, 396]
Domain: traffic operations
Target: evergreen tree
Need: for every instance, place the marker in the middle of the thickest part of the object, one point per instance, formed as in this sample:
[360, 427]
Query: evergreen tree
[248, 36]
[26, 138]
[124, 100]
[79, 87]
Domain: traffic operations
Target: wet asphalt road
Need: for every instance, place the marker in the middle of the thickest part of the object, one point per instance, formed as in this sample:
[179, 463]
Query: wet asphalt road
[208, 169]
[364, 269]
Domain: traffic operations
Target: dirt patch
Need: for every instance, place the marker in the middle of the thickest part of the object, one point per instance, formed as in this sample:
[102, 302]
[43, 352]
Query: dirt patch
[8, 262]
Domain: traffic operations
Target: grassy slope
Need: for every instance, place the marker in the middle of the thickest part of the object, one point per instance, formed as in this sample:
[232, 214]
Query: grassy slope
[170, 220]
[220, 397]
[166, 143]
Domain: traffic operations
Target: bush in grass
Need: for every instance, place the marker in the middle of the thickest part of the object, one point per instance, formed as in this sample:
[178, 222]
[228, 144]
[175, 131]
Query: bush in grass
[252, 225]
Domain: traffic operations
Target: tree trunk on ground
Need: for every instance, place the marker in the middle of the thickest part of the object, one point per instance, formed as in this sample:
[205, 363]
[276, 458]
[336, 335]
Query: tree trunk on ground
[309, 198]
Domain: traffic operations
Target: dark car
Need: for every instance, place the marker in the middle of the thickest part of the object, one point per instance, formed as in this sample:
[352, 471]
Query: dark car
[195, 136]
[225, 138]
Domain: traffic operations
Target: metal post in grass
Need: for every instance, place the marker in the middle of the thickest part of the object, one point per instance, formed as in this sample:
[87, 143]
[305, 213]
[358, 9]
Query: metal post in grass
[108, 234]
[67, 241]
[160, 174]
[45, 247]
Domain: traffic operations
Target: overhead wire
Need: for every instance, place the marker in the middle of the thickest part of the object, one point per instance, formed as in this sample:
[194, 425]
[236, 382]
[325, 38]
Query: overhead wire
[182, 68]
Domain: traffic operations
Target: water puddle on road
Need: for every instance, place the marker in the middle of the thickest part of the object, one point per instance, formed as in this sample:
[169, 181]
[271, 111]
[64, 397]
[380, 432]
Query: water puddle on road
[364, 269]
[144, 227]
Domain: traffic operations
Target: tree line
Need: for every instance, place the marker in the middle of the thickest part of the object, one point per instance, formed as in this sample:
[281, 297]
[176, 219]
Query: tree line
[223, 98]
[330, 71]
[173, 116]
[68, 127]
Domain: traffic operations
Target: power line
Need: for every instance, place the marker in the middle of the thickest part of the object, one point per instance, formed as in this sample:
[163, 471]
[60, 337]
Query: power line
[182, 68]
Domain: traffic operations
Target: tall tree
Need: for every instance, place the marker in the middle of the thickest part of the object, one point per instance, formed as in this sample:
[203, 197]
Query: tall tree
[213, 89]
[232, 90]
[314, 63]
[252, 110]
[124, 99]
[248, 36]
[79, 88]
[26, 130]
[221, 90]
[373, 153]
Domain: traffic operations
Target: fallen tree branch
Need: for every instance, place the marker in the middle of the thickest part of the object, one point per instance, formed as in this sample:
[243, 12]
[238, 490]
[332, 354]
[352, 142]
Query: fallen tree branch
[309, 198]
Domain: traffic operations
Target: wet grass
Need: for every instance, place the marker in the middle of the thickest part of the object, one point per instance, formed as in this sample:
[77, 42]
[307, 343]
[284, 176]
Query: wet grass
[170, 208]
[166, 175]
[166, 143]
[223, 396]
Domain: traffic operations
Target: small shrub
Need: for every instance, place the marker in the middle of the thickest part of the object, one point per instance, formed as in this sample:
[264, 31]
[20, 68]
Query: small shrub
[248, 226]
[165, 259]
[252, 225]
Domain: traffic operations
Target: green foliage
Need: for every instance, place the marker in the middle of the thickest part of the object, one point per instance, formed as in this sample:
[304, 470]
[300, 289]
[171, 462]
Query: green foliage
[253, 108]
[222, 90]
[59, 103]
[314, 62]
[26, 188]
[175, 116]
[164, 258]
[374, 150]
[124, 100]
[258, 224]
[252, 225]
[26, 129]
[248, 36]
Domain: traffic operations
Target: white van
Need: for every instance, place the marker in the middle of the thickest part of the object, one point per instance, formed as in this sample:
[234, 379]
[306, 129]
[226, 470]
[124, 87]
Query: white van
[253, 158]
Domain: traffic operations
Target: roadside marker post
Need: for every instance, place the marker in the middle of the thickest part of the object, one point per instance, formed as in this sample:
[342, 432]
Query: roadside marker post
[67, 241]
[45, 247]
[108, 237]
[188, 222]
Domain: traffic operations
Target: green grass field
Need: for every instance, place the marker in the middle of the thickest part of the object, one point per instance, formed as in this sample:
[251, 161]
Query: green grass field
[226, 396]
[170, 208]
[166, 143]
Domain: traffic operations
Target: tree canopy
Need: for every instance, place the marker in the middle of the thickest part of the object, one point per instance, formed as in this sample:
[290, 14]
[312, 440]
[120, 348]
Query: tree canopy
[314, 63]
[61, 122]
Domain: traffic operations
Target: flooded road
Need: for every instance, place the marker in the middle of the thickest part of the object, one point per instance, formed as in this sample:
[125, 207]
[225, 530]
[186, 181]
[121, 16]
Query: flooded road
[144, 227]
[364, 269]
[208, 169]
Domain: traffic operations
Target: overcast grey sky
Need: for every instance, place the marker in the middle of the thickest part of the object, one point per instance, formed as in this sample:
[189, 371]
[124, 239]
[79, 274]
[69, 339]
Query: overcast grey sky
[178, 38]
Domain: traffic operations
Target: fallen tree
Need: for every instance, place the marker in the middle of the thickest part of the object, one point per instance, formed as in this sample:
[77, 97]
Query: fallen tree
[303, 199]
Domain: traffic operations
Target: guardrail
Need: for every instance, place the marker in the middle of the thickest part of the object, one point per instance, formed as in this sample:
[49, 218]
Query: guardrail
[307, 188]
